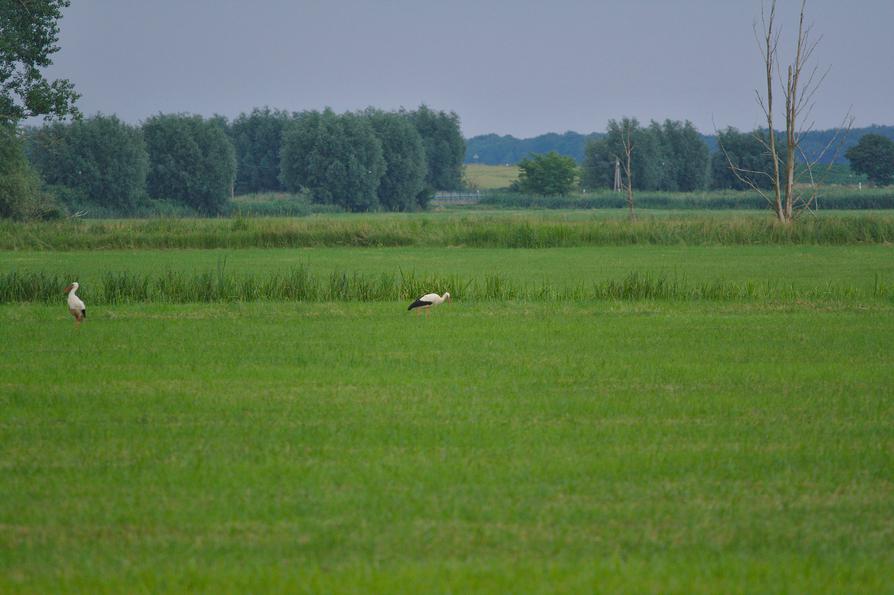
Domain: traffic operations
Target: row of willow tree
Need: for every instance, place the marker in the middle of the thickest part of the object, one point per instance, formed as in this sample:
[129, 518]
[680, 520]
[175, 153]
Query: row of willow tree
[672, 156]
[358, 161]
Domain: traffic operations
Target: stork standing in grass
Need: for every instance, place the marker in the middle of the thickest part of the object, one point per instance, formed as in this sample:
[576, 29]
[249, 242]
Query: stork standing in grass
[75, 305]
[428, 300]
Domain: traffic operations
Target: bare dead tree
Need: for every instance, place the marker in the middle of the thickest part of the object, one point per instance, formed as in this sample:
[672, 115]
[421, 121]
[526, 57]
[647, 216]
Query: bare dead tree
[806, 193]
[799, 93]
[768, 51]
[628, 169]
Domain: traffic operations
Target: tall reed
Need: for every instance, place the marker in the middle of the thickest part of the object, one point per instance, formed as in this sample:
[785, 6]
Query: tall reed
[301, 285]
[510, 230]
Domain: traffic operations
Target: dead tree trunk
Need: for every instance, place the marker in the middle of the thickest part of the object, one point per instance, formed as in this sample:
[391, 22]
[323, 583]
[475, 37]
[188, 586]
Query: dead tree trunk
[628, 169]
[771, 41]
[799, 94]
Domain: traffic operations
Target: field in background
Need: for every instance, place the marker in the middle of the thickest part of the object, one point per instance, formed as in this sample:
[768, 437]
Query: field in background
[675, 436]
[493, 177]
[489, 177]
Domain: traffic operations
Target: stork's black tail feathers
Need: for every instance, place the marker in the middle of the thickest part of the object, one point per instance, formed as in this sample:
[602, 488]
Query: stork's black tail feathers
[418, 304]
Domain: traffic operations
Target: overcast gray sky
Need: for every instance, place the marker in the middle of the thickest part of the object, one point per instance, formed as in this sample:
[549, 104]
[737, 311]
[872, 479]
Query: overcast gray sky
[518, 67]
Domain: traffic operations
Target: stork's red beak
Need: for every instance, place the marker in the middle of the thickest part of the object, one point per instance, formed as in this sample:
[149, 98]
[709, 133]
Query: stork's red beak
[67, 289]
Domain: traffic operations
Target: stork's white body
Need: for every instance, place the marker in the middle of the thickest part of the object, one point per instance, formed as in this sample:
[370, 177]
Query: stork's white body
[75, 304]
[428, 300]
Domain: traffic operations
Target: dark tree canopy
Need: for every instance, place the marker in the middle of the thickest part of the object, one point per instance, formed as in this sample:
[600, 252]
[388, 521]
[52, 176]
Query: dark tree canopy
[646, 163]
[405, 165]
[19, 184]
[191, 160]
[747, 153]
[873, 156]
[101, 159]
[336, 157]
[257, 138]
[28, 35]
[547, 175]
[444, 147]
[494, 149]
[683, 156]
[597, 170]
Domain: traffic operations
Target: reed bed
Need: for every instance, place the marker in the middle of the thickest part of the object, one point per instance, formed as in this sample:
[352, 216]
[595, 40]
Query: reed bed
[300, 285]
[511, 230]
[834, 199]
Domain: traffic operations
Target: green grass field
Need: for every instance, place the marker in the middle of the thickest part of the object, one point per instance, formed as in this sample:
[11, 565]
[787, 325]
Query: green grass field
[801, 266]
[489, 177]
[671, 446]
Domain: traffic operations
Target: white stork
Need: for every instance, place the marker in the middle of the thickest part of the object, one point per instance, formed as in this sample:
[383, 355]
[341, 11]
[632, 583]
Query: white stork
[428, 300]
[75, 305]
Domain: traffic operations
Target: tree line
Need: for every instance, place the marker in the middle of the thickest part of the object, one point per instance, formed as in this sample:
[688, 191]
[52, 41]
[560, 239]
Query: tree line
[359, 161]
[493, 149]
[673, 157]
[669, 156]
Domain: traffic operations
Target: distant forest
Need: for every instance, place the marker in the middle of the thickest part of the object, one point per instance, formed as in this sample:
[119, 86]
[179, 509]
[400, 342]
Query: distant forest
[493, 149]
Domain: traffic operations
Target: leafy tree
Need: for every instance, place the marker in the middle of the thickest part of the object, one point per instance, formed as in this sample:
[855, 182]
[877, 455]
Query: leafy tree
[646, 167]
[873, 156]
[547, 175]
[671, 156]
[597, 170]
[444, 148]
[102, 159]
[338, 158]
[190, 160]
[750, 157]
[405, 164]
[19, 184]
[257, 138]
[28, 34]
[683, 156]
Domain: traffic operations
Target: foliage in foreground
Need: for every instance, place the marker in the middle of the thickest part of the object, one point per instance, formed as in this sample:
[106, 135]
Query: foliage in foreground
[28, 36]
[299, 284]
[478, 230]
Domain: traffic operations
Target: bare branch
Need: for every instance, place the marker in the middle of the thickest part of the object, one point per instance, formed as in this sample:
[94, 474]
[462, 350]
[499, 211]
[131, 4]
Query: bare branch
[738, 173]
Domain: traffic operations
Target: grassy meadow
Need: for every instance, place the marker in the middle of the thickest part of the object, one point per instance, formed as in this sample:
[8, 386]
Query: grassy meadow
[489, 177]
[695, 440]
[454, 228]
